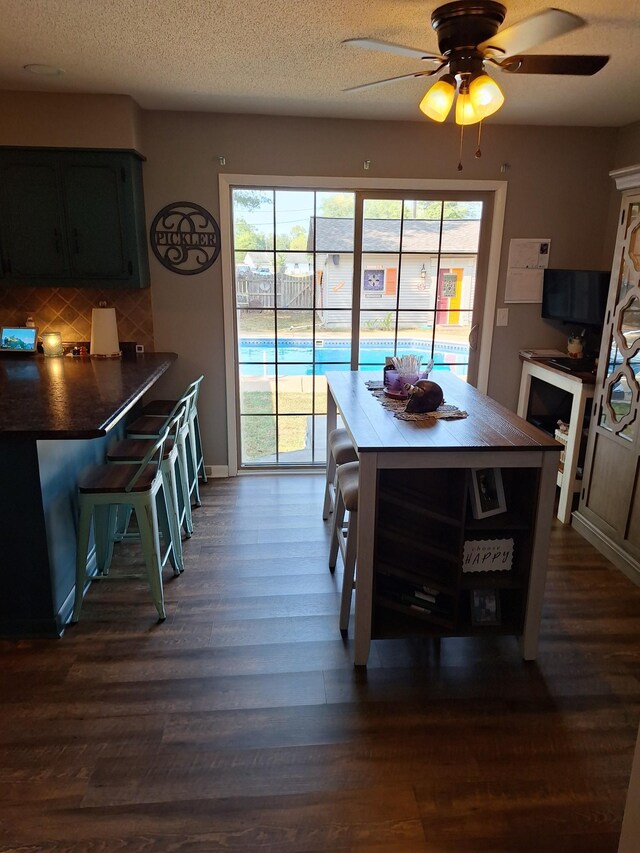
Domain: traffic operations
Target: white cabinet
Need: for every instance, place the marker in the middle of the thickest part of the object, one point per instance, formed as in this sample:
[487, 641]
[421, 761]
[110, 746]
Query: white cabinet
[575, 392]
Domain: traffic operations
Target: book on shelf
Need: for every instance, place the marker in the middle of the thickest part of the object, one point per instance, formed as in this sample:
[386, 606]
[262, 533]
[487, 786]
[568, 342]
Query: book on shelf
[410, 597]
[424, 596]
[402, 585]
[392, 579]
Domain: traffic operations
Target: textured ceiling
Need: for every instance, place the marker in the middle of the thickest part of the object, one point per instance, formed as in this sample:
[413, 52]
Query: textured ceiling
[286, 58]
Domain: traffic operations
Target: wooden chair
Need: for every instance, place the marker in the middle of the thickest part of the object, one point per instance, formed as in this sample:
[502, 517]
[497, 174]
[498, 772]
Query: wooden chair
[103, 489]
[344, 538]
[340, 450]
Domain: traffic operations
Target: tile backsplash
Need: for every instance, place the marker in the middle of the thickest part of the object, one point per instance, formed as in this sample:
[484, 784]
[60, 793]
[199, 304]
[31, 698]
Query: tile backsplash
[68, 310]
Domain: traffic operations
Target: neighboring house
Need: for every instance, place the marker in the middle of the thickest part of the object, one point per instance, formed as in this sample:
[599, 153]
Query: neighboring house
[257, 259]
[448, 288]
[298, 264]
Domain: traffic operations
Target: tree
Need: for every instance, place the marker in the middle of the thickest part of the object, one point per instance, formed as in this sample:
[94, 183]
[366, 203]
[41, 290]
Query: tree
[342, 206]
[298, 241]
[252, 199]
[338, 206]
[248, 238]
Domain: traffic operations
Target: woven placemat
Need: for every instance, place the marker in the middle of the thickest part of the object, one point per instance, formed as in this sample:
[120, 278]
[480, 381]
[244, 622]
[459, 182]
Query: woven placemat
[443, 411]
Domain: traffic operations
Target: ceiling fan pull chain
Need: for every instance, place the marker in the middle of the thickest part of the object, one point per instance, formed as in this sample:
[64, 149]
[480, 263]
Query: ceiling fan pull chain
[461, 140]
[478, 151]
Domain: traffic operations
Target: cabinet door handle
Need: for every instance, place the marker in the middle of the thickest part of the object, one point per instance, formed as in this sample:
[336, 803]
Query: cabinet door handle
[473, 336]
[56, 240]
[76, 241]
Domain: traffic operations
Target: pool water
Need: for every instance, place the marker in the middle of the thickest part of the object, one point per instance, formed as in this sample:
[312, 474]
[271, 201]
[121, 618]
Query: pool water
[295, 357]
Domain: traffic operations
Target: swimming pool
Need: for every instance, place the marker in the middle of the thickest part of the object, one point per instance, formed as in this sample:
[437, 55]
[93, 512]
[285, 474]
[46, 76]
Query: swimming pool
[295, 355]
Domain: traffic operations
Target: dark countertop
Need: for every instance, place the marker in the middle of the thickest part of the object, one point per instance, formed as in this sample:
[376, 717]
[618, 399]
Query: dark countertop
[71, 397]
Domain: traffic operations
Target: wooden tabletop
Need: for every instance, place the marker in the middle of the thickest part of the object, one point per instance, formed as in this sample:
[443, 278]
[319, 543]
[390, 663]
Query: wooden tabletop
[67, 397]
[488, 424]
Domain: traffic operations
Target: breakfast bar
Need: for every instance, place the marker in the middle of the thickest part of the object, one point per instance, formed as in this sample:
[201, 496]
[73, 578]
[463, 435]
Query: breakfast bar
[415, 519]
[56, 418]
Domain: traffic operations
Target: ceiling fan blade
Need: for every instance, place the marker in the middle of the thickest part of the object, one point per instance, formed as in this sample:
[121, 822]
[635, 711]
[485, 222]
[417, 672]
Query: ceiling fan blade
[532, 31]
[391, 79]
[580, 65]
[390, 47]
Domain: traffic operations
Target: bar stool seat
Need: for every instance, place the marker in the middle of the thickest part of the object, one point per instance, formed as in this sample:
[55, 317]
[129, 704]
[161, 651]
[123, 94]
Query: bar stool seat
[340, 450]
[345, 538]
[103, 490]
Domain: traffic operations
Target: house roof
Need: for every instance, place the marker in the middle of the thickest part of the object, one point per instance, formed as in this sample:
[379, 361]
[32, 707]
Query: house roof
[383, 235]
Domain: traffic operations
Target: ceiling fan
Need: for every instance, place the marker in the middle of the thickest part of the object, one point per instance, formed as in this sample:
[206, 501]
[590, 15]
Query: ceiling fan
[469, 39]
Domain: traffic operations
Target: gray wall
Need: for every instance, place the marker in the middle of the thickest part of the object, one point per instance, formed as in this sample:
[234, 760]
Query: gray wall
[557, 178]
[558, 187]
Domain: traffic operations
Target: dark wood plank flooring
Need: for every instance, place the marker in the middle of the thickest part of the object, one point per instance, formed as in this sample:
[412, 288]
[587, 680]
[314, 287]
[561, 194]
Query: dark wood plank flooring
[240, 723]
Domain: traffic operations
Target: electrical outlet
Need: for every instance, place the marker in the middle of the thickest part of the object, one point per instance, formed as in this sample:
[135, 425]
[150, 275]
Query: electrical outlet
[139, 349]
[502, 317]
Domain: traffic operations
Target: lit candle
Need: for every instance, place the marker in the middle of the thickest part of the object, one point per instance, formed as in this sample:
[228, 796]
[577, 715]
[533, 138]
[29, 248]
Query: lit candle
[52, 344]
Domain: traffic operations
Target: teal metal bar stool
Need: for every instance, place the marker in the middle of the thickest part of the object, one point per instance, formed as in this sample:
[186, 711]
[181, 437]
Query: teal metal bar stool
[134, 450]
[149, 426]
[161, 408]
[103, 489]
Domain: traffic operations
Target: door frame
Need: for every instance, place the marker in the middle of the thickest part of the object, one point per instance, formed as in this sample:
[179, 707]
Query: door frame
[228, 181]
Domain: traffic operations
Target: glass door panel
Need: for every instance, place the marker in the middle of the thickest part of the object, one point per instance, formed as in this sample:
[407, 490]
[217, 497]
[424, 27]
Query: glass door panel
[299, 313]
[293, 253]
[418, 287]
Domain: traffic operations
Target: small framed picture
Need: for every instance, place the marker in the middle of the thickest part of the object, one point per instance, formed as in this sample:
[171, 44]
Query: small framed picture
[485, 607]
[487, 492]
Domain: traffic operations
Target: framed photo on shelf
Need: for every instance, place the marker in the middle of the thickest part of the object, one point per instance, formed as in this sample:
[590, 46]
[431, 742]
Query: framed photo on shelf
[487, 492]
[485, 607]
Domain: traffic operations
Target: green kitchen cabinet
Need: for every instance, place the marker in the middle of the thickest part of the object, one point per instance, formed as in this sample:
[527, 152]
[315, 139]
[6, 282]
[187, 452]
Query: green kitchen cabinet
[72, 218]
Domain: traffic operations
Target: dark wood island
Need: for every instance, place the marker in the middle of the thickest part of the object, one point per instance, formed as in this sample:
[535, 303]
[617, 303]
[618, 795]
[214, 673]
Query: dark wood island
[56, 418]
[416, 527]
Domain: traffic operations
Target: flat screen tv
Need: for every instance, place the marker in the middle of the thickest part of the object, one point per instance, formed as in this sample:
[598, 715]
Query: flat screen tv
[575, 296]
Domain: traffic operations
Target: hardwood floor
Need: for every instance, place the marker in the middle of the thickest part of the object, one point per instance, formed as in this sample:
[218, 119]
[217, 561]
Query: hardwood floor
[240, 723]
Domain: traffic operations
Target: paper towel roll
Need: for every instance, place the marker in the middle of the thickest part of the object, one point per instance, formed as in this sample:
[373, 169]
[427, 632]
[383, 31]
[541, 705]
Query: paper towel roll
[104, 333]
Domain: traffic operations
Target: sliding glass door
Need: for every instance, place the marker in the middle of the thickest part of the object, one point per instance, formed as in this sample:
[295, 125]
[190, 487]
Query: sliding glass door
[419, 262]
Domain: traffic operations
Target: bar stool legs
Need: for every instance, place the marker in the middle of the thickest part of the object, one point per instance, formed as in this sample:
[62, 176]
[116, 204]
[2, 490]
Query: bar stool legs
[104, 490]
[99, 508]
[345, 538]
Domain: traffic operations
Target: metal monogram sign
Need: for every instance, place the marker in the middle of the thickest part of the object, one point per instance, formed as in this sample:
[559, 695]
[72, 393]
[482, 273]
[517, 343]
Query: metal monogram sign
[185, 238]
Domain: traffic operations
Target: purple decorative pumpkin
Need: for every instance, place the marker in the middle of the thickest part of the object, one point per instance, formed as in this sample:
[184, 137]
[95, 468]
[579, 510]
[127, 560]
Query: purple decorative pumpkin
[425, 396]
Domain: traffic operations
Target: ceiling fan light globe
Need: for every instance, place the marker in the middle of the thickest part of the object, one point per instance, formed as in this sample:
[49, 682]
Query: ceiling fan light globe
[485, 95]
[465, 113]
[438, 100]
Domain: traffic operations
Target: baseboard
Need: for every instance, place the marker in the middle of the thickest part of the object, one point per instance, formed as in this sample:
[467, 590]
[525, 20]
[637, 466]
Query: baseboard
[606, 547]
[217, 471]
